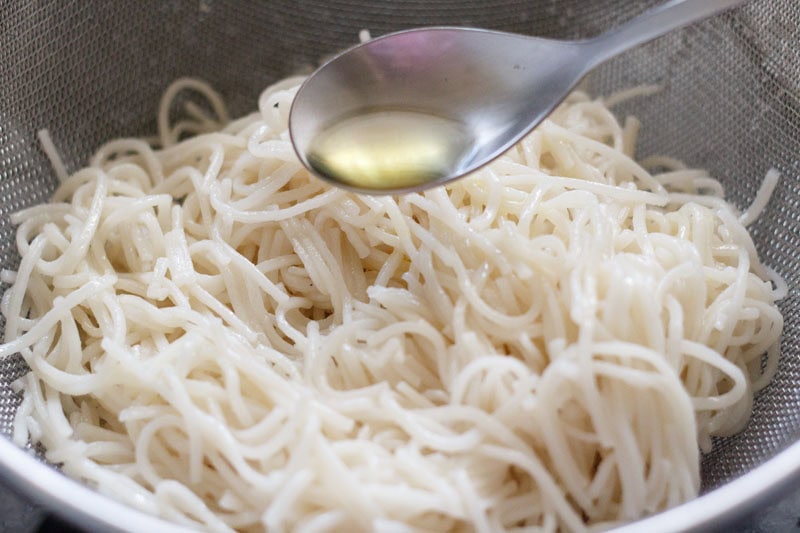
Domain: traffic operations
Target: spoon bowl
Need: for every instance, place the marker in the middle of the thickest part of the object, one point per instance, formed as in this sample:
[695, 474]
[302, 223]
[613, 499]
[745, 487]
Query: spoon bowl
[491, 88]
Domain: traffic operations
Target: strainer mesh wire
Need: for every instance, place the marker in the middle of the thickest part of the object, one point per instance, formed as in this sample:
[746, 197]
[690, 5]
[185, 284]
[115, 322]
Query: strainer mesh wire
[94, 70]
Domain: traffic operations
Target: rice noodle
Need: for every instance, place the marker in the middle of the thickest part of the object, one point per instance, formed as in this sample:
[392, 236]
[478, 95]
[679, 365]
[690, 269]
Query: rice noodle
[220, 339]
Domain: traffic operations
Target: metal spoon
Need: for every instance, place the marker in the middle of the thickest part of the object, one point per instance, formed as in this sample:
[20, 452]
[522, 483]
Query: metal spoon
[423, 107]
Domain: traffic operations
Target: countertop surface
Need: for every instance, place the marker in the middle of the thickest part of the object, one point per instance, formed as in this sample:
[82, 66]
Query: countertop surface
[20, 516]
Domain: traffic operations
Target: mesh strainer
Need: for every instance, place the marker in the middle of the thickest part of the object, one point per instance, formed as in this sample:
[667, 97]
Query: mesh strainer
[94, 70]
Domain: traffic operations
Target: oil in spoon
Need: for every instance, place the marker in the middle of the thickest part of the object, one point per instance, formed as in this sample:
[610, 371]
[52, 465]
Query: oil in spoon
[389, 149]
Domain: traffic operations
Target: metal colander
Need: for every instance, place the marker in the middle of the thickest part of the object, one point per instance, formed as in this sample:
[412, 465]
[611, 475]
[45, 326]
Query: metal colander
[93, 70]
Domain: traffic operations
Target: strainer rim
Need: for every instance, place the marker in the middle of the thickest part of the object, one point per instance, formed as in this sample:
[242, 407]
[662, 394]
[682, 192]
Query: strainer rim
[85, 507]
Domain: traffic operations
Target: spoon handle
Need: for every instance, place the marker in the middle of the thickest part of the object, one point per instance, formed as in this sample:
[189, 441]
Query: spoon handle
[654, 23]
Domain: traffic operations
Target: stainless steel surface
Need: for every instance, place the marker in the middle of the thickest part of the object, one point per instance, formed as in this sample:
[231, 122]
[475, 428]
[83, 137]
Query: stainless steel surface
[18, 515]
[499, 86]
[730, 102]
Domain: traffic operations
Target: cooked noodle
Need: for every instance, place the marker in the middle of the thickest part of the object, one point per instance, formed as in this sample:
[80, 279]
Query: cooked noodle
[220, 339]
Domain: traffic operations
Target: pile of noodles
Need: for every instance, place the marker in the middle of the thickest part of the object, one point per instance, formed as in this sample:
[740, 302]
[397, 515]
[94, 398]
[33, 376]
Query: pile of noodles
[220, 339]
